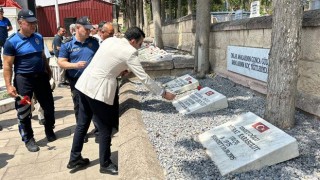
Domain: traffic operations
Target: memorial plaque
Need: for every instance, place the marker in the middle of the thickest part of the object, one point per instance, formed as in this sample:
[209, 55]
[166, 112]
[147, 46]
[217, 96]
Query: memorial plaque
[248, 143]
[251, 62]
[201, 101]
[181, 84]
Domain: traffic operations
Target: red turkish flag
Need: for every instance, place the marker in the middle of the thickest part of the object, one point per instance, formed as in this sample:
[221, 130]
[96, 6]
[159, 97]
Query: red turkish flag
[260, 127]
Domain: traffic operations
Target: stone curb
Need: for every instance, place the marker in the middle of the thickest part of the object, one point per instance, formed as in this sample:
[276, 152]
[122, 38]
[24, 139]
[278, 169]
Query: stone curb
[137, 158]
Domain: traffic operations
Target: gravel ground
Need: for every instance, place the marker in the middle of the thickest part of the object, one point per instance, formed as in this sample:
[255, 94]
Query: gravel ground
[174, 136]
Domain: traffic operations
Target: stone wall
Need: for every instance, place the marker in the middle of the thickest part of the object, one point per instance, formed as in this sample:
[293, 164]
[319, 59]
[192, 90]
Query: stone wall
[180, 33]
[255, 32]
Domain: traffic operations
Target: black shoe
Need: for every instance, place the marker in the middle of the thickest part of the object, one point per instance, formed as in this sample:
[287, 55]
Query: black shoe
[114, 131]
[42, 121]
[66, 83]
[32, 146]
[80, 163]
[52, 138]
[50, 135]
[96, 138]
[109, 169]
[63, 84]
[1, 128]
[86, 139]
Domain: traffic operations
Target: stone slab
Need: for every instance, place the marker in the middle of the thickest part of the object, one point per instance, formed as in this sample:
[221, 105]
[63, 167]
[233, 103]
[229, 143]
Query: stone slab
[153, 65]
[183, 61]
[6, 105]
[138, 158]
[248, 143]
[201, 101]
[181, 84]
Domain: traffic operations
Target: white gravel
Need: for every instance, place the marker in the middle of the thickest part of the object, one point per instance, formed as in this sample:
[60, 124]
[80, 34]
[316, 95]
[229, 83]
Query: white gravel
[174, 135]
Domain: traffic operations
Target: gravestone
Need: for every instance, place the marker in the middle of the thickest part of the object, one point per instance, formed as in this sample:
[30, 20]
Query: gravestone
[201, 101]
[238, 14]
[181, 84]
[154, 54]
[248, 143]
[255, 9]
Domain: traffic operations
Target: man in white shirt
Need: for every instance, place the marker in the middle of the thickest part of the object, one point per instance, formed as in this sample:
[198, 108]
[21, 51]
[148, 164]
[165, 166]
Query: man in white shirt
[97, 86]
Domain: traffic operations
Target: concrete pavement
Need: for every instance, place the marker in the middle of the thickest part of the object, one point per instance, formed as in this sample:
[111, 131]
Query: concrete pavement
[16, 162]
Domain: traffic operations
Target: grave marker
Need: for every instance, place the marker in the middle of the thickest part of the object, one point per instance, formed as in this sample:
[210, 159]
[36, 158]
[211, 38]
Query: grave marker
[181, 84]
[201, 101]
[248, 143]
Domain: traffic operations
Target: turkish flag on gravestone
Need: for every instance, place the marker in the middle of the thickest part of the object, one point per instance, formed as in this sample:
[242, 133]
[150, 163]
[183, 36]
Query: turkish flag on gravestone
[9, 3]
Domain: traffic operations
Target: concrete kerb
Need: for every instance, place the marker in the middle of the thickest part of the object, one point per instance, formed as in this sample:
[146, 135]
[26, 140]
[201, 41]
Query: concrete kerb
[138, 160]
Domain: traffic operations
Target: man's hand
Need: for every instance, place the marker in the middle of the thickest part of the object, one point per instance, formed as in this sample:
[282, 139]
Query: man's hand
[168, 95]
[11, 90]
[81, 64]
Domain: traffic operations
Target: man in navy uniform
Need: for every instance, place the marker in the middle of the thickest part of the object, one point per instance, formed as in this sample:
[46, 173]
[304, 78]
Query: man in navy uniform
[5, 26]
[76, 54]
[25, 50]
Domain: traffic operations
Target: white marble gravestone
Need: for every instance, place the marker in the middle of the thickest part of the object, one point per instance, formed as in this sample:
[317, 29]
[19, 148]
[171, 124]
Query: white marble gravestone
[181, 84]
[201, 101]
[248, 143]
[154, 54]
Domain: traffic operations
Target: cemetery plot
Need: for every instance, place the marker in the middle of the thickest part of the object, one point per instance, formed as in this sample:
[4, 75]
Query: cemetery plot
[201, 101]
[181, 84]
[248, 143]
[153, 54]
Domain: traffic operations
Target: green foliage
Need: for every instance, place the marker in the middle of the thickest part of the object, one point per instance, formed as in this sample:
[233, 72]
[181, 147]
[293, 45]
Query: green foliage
[147, 8]
[4, 95]
[217, 5]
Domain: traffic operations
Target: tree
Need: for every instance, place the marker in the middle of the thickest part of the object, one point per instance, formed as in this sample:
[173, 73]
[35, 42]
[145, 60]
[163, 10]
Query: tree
[202, 38]
[157, 23]
[283, 62]
[146, 10]
[179, 15]
[189, 6]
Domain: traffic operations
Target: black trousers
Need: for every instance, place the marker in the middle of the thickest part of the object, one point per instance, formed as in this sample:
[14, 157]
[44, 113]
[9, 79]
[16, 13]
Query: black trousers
[89, 107]
[27, 84]
[75, 96]
[114, 116]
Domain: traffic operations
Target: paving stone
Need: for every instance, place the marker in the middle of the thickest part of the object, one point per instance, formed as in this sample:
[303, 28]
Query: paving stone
[29, 170]
[2, 171]
[3, 142]
[52, 154]
[21, 159]
[5, 134]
